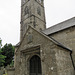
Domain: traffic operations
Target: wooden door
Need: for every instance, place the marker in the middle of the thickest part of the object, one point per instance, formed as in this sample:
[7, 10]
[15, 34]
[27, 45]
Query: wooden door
[35, 66]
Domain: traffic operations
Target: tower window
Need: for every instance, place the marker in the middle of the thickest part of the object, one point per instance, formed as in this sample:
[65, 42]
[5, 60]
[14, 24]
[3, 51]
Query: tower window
[26, 10]
[39, 11]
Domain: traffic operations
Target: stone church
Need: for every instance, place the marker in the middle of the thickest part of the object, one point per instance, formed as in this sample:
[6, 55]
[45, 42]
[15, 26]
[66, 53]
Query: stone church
[44, 51]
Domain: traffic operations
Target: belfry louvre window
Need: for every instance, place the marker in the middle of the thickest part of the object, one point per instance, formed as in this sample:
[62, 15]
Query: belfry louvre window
[35, 66]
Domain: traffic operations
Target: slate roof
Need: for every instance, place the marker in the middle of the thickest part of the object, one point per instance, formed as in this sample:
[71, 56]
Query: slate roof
[60, 26]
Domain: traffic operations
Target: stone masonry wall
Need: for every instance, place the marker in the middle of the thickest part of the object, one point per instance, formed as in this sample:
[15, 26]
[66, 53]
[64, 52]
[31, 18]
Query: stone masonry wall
[46, 53]
[67, 38]
[51, 56]
[64, 63]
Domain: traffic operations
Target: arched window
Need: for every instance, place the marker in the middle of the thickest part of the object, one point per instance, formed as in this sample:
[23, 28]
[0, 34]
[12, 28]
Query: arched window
[39, 11]
[35, 65]
[26, 10]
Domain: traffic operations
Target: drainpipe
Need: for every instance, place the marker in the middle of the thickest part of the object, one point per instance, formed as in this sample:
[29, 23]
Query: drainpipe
[72, 60]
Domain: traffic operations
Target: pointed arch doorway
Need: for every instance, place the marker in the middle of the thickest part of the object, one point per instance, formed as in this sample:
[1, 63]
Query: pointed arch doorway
[35, 65]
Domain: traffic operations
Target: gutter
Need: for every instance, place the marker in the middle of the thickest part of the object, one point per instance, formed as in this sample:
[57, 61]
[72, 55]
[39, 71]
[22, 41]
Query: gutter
[72, 60]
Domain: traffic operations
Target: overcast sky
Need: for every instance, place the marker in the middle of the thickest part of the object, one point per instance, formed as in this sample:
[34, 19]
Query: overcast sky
[56, 11]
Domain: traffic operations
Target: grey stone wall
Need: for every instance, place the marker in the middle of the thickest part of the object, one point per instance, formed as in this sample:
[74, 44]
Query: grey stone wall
[45, 52]
[54, 60]
[32, 17]
[64, 62]
[67, 38]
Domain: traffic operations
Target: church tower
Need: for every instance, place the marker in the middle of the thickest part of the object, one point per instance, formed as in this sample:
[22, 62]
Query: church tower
[32, 13]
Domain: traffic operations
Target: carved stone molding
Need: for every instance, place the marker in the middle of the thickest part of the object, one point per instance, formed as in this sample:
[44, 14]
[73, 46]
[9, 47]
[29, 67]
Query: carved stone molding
[31, 49]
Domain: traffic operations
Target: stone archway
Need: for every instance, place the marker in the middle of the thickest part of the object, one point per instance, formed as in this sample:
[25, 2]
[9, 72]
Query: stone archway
[35, 65]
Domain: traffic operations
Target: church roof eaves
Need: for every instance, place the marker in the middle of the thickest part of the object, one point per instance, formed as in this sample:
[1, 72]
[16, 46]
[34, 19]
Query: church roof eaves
[60, 26]
[61, 45]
